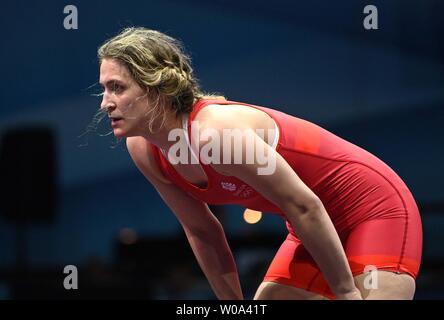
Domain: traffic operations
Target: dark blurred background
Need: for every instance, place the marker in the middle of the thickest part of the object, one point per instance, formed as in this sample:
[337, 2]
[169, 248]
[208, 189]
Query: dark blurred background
[72, 196]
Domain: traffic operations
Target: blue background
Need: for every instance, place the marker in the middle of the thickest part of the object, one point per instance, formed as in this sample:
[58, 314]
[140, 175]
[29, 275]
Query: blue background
[380, 89]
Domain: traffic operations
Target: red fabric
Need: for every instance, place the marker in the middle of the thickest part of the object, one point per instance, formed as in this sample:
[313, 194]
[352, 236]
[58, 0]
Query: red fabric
[354, 186]
[381, 244]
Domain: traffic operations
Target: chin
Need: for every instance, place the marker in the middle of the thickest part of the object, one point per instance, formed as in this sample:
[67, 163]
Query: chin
[119, 133]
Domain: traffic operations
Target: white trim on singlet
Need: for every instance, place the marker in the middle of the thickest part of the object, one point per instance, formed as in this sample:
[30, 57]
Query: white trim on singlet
[185, 128]
[276, 137]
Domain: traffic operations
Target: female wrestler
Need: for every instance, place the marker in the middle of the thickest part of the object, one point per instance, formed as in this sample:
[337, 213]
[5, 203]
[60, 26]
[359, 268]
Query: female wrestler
[346, 211]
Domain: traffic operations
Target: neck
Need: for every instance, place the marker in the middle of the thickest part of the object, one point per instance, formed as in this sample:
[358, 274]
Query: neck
[160, 137]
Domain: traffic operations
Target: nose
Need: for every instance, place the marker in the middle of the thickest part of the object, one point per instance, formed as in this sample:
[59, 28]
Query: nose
[107, 104]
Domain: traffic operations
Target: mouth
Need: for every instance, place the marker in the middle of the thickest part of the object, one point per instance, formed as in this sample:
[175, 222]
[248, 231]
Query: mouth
[115, 121]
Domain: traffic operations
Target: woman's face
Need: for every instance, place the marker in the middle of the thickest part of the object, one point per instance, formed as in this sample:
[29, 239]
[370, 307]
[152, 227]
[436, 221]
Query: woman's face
[125, 100]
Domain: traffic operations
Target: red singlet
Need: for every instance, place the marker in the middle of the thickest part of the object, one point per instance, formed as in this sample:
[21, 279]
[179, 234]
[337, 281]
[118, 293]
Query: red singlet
[371, 208]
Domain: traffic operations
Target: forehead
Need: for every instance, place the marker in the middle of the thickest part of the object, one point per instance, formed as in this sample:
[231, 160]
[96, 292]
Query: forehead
[111, 69]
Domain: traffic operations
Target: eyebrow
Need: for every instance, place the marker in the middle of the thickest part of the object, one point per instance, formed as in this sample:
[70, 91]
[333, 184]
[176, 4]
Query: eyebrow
[111, 81]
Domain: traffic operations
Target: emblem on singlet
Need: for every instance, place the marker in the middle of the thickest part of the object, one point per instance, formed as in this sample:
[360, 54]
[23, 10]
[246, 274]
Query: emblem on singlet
[244, 191]
[228, 186]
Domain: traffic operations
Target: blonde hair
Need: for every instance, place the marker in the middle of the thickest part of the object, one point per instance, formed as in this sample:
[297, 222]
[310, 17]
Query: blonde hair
[157, 62]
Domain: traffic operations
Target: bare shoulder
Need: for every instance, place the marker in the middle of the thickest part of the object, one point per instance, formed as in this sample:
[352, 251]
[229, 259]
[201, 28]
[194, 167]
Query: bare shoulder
[142, 154]
[135, 144]
[220, 122]
[140, 148]
[225, 116]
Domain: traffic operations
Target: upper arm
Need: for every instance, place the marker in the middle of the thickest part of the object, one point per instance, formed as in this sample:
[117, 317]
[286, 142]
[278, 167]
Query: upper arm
[275, 179]
[194, 215]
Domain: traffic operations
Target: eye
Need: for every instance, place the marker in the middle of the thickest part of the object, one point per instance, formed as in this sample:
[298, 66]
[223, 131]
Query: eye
[117, 88]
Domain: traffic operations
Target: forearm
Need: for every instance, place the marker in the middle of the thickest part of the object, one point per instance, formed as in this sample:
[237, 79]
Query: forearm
[216, 261]
[320, 238]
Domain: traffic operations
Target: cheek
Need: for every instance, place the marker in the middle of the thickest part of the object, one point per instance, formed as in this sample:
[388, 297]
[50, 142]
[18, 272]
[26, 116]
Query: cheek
[126, 104]
[133, 102]
[140, 106]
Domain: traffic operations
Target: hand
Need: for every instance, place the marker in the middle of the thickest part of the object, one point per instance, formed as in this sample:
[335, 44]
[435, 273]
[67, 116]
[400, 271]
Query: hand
[352, 295]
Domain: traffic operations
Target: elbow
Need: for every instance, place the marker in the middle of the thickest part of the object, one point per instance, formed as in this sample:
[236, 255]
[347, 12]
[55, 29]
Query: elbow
[210, 231]
[310, 205]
